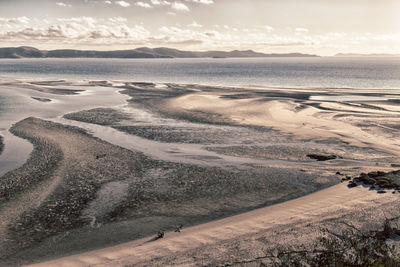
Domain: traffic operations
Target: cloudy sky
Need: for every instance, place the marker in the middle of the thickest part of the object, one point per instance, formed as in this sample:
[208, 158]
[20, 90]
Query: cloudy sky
[323, 27]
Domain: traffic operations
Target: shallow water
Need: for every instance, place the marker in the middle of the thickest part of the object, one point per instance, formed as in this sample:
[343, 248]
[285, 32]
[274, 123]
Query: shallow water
[17, 104]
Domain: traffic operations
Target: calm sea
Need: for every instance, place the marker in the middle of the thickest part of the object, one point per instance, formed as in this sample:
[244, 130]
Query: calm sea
[323, 72]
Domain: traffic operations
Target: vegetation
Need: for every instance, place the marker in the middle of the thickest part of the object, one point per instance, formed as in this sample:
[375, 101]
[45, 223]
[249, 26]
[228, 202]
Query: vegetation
[350, 247]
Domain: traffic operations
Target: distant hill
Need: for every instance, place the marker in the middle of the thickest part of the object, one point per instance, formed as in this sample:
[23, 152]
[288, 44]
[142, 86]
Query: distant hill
[142, 52]
[366, 55]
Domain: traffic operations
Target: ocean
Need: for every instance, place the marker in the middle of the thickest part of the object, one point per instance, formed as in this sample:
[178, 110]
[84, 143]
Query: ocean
[320, 72]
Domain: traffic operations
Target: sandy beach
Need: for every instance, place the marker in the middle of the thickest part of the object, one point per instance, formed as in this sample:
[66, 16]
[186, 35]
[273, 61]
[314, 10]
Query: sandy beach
[248, 238]
[244, 170]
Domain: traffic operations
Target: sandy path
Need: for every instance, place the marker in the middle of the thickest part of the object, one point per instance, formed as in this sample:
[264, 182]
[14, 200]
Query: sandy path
[311, 208]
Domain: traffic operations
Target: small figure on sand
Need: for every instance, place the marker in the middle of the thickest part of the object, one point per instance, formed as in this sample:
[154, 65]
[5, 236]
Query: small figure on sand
[100, 156]
[179, 228]
[160, 234]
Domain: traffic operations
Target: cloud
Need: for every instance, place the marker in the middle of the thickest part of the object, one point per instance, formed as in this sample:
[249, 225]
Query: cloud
[194, 24]
[179, 6]
[107, 2]
[143, 4]
[160, 3]
[205, 2]
[61, 4]
[81, 30]
[301, 30]
[122, 3]
[269, 28]
[17, 20]
[119, 32]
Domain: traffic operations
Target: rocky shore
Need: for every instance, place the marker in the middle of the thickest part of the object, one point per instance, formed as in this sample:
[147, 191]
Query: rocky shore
[377, 180]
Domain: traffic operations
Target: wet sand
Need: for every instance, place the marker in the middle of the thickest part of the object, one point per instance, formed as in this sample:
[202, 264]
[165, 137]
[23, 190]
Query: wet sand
[1, 144]
[93, 187]
[117, 171]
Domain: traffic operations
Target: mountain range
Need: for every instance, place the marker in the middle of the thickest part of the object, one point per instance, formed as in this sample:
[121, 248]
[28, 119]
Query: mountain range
[142, 52]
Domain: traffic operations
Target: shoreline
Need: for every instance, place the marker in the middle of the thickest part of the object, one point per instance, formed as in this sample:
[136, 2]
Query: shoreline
[192, 245]
[184, 154]
[202, 200]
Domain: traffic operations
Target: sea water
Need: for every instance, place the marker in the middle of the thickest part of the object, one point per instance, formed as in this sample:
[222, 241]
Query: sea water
[318, 72]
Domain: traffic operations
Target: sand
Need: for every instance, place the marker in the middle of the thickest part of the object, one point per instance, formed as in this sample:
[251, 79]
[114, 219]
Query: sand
[196, 155]
[1, 144]
[110, 195]
[211, 238]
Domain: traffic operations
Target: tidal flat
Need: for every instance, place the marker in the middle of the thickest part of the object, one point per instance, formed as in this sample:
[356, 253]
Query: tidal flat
[159, 156]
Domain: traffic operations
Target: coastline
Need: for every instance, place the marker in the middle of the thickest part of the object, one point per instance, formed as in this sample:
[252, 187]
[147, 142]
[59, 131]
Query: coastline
[184, 154]
[248, 237]
[72, 205]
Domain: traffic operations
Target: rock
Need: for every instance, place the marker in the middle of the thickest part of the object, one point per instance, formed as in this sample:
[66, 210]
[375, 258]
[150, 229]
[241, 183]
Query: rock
[381, 192]
[373, 174]
[322, 157]
[369, 181]
[338, 173]
[380, 173]
[384, 183]
[352, 184]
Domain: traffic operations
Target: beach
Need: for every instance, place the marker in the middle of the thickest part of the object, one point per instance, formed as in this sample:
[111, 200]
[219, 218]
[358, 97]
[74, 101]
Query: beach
[241, 168]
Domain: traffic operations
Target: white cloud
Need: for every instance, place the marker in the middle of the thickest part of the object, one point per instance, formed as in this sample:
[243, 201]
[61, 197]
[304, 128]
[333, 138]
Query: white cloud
[81, 30]
[117, 19]
[205, 2]
[302, 30]
[269, 28]
[194, 24]
[61, 4]
[143, 4]
[179, 6]
[122, 3]
[160, 3]
[107, 2]
[17, 20]
[116, 32]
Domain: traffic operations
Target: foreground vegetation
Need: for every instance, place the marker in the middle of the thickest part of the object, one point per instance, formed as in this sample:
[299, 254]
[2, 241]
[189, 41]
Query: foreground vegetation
[349, 247]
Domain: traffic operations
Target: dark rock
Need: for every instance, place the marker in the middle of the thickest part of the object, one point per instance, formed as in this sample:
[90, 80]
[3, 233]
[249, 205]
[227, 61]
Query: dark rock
[322, 157]
[381, 192]
[352, 184]
[384, 183]
[373, 174]
[369, 181]
[380, 173]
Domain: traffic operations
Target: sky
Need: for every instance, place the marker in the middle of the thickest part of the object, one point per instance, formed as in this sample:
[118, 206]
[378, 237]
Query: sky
[323, 27]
